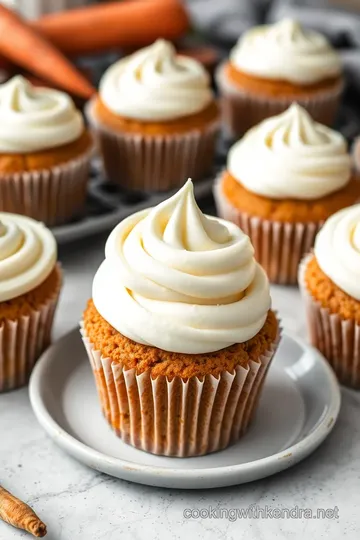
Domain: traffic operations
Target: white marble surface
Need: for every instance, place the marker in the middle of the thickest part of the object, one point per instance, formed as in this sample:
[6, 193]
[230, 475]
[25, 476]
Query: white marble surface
[80, 504]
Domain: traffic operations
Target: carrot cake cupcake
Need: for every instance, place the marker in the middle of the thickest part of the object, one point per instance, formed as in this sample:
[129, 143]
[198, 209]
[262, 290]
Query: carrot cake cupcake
[179, 330]
[44, 153]
[330, 283]
[283, 180]
[156, 119]
[30, 281]
[273, 65]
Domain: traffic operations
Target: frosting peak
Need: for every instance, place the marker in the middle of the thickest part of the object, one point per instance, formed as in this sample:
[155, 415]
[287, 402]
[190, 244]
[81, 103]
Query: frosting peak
[156, 84]
[34, 119]
[181, 281]
[337, 250]
[286, 51]
[291, 156]
[27, 255]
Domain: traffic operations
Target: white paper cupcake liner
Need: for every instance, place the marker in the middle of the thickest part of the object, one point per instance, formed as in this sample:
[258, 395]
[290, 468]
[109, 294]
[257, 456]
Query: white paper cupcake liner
[53, 196]
[23, 340]
[177, 418]
[154, 163]
[336, 338]
[279, 247]
[242, 110]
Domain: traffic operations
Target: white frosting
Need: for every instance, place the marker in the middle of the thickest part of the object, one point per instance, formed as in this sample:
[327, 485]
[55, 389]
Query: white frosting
[27, 255]
[34, 119]
[286, 51]
[337, 250]
[291, 156]
[181, 281]
[156, 84]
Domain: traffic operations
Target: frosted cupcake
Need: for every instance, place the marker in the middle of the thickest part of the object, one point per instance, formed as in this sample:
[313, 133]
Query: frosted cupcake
[179, 331]
[330, 284]
[283, 180]
[273, 65]
[30, 281]
[156, 119]
[44, 153]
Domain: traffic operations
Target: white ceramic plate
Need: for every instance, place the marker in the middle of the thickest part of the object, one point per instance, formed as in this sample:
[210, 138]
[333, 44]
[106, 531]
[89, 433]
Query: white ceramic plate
[298, 409]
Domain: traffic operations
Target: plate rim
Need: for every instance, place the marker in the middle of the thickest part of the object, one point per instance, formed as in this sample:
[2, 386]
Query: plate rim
[84, 453]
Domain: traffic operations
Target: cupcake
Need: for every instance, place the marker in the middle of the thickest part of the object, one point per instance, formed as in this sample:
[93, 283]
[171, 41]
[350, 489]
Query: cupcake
[273, 65]
[156, 119]
[179, 331]
[44, 153]
[30, 281]
[330, 284]
[283, 180]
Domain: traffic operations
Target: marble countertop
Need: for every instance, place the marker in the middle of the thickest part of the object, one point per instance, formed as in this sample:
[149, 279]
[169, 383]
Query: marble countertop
[78, 503]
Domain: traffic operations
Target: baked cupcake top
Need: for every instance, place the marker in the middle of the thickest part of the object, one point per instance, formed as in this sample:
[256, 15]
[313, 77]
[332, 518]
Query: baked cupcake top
[34, 119]
[181, 281]
[337, 250]
[28, 254]
[290, 156]
[156, 84]
[285, 51]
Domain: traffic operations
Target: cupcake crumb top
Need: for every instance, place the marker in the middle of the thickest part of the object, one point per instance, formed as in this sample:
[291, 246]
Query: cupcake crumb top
[124, 351]
[329, 295]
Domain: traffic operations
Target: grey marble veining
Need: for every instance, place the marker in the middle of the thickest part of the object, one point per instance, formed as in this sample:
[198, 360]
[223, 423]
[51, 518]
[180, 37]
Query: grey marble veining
[79, 504]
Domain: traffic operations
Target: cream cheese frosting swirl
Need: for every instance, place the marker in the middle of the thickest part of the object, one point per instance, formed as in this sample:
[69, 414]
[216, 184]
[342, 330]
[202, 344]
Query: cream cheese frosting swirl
[291, 156]
[181, 281]
[156, 84]
[337, 250]
[27, 255]
[285, 51]
[34, 119]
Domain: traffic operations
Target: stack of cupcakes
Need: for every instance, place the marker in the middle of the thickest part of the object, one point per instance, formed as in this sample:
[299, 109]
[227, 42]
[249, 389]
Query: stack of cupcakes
[179, 332]
[156, 119]
[274, 65]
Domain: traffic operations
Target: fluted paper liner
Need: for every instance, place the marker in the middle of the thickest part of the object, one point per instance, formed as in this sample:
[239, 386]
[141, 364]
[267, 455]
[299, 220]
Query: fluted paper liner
[279, 247]
[23, 340]
[53, 196]
[154, 162]
[177, 418]
[242, 110]
[336, 338]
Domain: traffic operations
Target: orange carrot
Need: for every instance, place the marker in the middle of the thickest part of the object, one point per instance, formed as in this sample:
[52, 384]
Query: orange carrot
[20, 515]
[114, 25]
[23, 46]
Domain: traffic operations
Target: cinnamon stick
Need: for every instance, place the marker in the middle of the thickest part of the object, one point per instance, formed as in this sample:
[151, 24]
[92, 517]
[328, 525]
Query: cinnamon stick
[20, 515]
[23, 46]
[114, 25]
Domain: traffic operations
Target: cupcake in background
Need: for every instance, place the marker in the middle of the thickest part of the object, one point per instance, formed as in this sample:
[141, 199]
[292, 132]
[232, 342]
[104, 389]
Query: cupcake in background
[30, 282]
[330, 284]
[179, 331]
[284, 178]
[45, 153]
[156, 119]
[273, 65]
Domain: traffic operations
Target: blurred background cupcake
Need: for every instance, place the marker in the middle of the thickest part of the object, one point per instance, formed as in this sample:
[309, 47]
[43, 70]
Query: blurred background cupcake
[273, 65]
[330, 284]
[30, 282]
[156, 119]
[45, 153]
[180, 314]
[283, 180]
